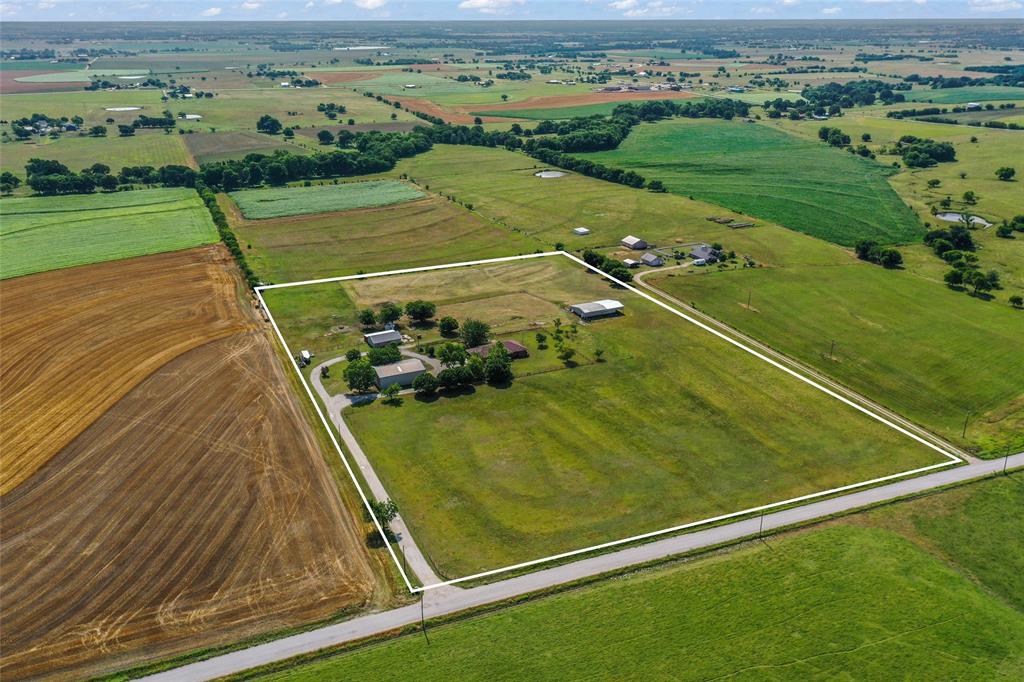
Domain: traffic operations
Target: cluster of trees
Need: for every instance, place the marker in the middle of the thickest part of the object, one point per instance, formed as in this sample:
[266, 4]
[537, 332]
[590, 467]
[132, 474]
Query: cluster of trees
[853, 93]
[331, 110]
[1013, 78]
[870, 251]
[419, 311]
[1006, 173]
[514, 76]
[52, 177]
[920, 152]
[833, 136]
[227, 236]
[956, 246]
[610, 266]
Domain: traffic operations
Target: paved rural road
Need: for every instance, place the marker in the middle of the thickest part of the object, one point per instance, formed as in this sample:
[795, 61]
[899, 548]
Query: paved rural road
[415, 559]
[445, 601]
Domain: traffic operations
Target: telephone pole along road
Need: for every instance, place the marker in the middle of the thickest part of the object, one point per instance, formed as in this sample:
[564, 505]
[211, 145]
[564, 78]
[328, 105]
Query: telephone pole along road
[445, 601]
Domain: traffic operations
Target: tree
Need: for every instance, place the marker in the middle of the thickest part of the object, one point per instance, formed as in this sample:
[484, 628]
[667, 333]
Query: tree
[474, 333]
[359, 375]
[890, 258]
[1005, 173]
[426, 384]
[125, 130]
[478, 121]
[268, 124]
[566, 354]
[977, 280]
[498, 366]
[1017, 301]
[385, 511]
[384, 355]
[933, 183]
[954, 278]
[599, 354]
[389, 312]
[277, 174]
[420, 310]
[866, 137]
[367, 318]
[98, 131]
[970, 198]
[8, 182]
[353, 354]
[541, 340]
[452, 355]
[289, 133]
[325, 137]
[448, 325]
[656, 186]
[390, 393]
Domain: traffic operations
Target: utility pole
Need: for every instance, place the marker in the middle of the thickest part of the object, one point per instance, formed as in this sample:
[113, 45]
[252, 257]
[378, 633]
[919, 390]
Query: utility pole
[749, 293]
[966, 417]
[423, 620]
[832, 350]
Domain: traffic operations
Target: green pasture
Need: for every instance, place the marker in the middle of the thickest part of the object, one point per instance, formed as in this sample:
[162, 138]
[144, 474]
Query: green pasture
[47, 233]
[447, 91]
[400, 236]
[797, 183]
[145, 148]
[37, 65]
[932, 354]
[278, 202]
[211, 147]
[817, 605]
[83, 76]
[981, 93]
[90, 105]
[721, 429]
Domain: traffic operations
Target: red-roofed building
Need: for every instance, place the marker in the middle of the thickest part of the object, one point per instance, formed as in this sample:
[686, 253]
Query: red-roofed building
[515, 350]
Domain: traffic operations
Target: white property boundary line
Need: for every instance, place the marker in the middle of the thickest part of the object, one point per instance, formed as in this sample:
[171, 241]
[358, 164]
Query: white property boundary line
[952, 458]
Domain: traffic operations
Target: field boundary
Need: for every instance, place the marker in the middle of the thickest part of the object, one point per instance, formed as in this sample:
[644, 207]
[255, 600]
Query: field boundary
[951, 459]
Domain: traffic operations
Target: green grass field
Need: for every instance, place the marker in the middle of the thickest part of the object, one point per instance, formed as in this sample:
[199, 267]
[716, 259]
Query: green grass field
[894, 340]
[47, 233]
[90, 105]
[211, 147]
[675, 426]
[846, 602]
[82, 76]
[147, 148]
[799, 184]
[405, 235]
[983, 93]
[278, 202]
[557, 113]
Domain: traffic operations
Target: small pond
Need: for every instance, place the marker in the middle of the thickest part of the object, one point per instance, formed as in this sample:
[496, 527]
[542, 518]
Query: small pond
[550, 174]
[951, 217]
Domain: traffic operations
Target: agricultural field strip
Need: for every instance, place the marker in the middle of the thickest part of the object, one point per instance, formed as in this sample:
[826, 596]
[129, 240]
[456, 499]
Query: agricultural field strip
[951, 458]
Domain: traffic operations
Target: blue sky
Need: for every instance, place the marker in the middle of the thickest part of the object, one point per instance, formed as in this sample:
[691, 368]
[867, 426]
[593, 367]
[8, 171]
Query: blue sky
[214, 10]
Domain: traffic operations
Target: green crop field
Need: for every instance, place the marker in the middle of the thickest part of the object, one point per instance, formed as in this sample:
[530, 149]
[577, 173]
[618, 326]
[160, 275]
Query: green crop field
[982, 93]
[278, 202]
[800, 184]
[47, 233]
[83, 76]
[815, 605]
[894, 340]
[557, 113]
[145, 148]
[721, 429]
[405, 235]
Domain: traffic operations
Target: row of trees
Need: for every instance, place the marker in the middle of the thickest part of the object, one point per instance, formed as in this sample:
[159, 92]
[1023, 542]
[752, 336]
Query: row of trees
[870, 251]
[49, 177]
[614, 268]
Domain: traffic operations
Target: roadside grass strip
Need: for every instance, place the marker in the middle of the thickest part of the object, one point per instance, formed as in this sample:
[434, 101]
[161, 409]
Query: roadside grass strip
[525, 495]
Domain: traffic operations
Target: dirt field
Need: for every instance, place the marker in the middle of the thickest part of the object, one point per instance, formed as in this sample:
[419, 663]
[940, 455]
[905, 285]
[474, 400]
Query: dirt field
[9, 86]
[65, 361]
[195, 510]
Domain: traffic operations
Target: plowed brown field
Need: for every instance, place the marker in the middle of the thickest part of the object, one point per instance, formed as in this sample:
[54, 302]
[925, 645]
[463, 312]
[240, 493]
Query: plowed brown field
[194, 511]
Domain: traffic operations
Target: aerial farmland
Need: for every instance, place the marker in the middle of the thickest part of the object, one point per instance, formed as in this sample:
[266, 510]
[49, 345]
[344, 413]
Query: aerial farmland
[621, 348]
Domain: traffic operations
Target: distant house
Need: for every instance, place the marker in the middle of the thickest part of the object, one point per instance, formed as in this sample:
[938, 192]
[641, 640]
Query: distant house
[285, 84]
[630, 263]
[581, 231]
[736, 88]
[378, 339]
[402, 373]
[595, 309]
[652, 259]
[705, 253]
[631, 242]
[515, 350]
[973, 106]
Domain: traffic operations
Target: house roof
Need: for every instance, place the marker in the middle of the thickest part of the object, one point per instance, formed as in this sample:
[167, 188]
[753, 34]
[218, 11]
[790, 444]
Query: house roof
[510, 346]
[630, 239]
[399, 368]
[385, 336]
[703, 251]
[650, 257]
[604, 305]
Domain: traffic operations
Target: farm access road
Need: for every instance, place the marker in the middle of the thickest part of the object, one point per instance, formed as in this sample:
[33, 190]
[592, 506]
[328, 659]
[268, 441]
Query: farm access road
[445, 601]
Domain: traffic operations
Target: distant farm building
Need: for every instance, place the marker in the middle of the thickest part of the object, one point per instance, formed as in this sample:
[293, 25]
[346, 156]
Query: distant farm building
[402, 373]
[652, 259]
[581, 231]
[595, 309]
[516, 350]
[378, 339]
[631, 242]
[630, 263]
[973, 106]
[705, 253]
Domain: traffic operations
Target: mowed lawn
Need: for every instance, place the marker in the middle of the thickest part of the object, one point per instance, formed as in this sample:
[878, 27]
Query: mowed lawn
[932, 354]
[876, 602]
[675, 426]
[277, 202]
[801, 184]
[426, 232]
[47, 233]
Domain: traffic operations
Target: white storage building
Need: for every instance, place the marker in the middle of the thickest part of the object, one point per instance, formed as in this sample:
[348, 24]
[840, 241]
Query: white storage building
[594, 309]
[378, 339]
[402, 373]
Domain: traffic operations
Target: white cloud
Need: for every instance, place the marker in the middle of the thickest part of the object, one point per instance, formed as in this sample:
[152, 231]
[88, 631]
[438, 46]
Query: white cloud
[329, 2]
[46, 4]
[251, 5]
[832, 10]
[762, 10]
[624, 4]
[994, 6]
[490, 6]
[8, 8]
[309, 5]
[370, 4]
[211, 12]
[656, 8]
[789, 3]
[282, 15]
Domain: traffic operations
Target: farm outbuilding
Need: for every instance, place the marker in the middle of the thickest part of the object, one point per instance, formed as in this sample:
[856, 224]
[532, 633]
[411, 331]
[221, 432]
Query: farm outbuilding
[402, 373]
[378, 339]
[652, 259]
[631, 242]
[581, 231]
[630, 263]
[595, 309]
[516, 350]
